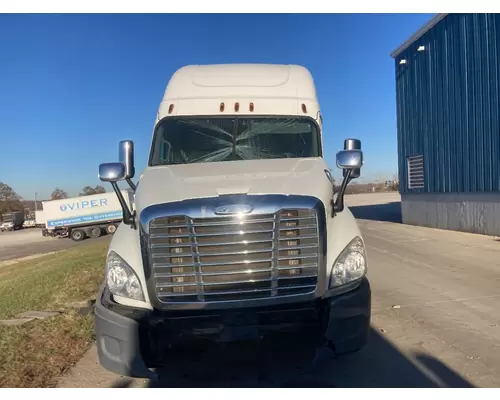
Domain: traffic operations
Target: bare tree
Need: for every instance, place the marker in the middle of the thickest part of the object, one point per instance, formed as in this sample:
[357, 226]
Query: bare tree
[9, 199]
[58, 194]
[89, 190]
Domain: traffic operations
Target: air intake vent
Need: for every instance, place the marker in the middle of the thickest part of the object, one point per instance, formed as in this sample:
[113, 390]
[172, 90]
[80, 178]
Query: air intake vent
[416, 172]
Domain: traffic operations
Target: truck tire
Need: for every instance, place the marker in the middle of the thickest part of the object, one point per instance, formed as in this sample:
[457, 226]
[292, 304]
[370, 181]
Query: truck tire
[77, 235]
[110, 229]
[95, 232]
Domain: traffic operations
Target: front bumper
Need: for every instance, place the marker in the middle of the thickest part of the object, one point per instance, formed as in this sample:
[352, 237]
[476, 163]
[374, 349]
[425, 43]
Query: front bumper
[129, 339]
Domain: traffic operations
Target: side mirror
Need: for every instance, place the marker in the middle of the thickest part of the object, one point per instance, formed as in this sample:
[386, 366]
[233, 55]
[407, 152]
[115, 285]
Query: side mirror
[126, 157]
[350, 159]
[112, 172]
[118, 171]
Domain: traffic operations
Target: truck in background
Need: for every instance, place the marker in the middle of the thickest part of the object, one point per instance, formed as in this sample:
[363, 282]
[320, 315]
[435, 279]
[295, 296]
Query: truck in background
[238, 230]
[29, 223]
[84, 216]
[12, 221]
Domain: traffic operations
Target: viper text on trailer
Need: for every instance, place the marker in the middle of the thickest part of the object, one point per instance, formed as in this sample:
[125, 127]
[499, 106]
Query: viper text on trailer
[84, 216]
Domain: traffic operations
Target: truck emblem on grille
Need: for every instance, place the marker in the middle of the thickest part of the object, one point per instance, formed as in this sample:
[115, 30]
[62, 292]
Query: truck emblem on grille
[233, 209]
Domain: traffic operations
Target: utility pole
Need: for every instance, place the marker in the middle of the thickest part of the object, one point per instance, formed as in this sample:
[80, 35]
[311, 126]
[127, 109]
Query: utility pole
[35, 203]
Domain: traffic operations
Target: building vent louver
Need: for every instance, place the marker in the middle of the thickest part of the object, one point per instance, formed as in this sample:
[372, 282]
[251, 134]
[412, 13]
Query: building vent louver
[416, 172]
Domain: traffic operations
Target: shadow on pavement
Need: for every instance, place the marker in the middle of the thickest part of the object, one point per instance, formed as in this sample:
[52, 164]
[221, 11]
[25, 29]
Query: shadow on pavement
[294, 362]
[122, 383]
[388, 212]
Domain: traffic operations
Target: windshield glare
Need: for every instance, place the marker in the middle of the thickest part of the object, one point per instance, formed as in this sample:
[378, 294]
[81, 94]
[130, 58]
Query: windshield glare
[203, 140]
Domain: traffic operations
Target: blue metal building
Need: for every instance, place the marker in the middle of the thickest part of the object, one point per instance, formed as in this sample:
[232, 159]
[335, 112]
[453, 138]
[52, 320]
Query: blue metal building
[448, 108]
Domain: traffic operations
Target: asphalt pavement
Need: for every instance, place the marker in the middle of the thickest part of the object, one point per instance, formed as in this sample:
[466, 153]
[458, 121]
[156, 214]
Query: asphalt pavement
[30, 242]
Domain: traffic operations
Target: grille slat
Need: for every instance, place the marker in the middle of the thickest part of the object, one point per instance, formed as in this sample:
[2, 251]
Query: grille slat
[165, 285]
[232, 253]
[232, 272]
[229, 222]
[293, 228]
[228, 292]
[299, 237]
[194, 260]
[212, 264]
[228, 263]
[214, 234]
[209, 244]
[240, 252]
[215, 223]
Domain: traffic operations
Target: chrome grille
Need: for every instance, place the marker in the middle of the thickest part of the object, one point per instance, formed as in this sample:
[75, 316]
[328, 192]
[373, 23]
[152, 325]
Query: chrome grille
[234, 258]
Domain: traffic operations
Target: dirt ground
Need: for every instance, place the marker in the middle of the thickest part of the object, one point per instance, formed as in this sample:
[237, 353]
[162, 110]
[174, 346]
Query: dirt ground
[435, 321]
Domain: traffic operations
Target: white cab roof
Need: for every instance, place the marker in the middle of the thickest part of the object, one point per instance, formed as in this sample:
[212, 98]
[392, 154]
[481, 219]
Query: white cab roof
[195, 88]
[261, 80]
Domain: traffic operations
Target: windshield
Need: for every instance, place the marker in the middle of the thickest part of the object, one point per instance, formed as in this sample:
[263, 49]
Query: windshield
[203, 140]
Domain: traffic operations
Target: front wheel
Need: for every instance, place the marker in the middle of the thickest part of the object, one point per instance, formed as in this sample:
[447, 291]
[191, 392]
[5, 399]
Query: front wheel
[77, 235]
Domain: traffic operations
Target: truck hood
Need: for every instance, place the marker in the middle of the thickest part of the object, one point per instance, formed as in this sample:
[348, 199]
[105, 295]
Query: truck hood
[167, 184]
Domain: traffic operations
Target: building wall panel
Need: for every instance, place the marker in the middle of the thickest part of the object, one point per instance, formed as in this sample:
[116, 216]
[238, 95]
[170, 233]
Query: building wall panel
[448, 105]
[466, 212]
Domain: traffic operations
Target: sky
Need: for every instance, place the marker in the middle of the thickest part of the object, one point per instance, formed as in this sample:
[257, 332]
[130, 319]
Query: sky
[73, 86]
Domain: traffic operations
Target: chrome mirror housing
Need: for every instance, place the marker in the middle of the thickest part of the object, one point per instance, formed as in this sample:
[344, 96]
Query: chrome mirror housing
[112, 172]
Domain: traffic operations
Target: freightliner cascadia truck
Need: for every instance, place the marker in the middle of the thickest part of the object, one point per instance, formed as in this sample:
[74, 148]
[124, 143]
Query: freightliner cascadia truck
[237, 230]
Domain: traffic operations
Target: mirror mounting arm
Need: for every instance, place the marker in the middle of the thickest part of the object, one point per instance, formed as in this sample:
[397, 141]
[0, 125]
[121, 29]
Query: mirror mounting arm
[131, 184]
[128, 216]
[338, 205]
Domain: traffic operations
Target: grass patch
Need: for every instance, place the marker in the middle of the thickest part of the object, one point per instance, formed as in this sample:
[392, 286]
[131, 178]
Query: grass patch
[37, 353]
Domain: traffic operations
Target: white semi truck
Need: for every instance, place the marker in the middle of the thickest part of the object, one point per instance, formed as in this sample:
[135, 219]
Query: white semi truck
[84, 216]
[237, 230]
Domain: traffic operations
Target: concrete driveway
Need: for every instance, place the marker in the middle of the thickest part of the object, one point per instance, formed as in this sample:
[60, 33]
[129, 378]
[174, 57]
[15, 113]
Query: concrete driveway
[436, 321]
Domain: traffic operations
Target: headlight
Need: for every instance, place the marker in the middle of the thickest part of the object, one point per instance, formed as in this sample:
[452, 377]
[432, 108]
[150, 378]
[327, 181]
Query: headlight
[350, 265]
[121, 279]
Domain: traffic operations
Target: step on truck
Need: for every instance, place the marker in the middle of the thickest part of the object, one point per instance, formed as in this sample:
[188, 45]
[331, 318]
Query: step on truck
[84, 217]
[237, 230]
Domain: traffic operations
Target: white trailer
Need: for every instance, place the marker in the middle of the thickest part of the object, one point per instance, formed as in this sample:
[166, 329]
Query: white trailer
[39, 219]
[84, 216]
